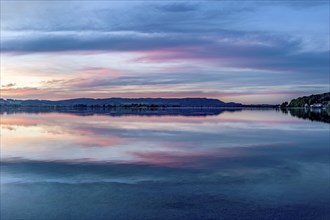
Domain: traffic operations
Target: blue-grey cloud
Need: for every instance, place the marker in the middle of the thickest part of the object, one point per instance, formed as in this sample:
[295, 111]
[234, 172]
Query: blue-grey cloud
[57, 42]
[178, 7]
[259, 52]
[110, 16]
[149, 79]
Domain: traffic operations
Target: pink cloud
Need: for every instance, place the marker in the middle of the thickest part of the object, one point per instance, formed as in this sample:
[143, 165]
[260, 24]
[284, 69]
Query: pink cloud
[101, 71]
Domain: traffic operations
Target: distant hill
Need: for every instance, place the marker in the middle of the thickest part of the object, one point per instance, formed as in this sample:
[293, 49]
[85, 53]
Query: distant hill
[322, 100]
[124, 102]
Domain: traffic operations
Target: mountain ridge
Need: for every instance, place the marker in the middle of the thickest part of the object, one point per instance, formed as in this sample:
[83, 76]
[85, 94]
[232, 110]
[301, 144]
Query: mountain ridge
[126, 102]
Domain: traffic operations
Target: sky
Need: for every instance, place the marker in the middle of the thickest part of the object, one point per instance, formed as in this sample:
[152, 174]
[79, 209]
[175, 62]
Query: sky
[242, 51]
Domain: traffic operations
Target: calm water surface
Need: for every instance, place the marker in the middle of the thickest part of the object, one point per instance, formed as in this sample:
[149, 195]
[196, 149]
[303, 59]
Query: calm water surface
[231, 165]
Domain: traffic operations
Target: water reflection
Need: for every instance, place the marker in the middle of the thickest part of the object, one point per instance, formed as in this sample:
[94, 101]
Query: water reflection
[310, 114]
[233, 165]
[203, 111]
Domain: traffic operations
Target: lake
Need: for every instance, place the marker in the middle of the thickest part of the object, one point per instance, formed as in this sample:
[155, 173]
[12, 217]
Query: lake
[176, 164]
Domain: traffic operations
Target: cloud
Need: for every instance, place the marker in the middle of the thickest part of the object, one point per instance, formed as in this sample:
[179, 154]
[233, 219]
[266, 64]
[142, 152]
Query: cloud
[230, 50]
[145, 79]
[171, 47]
[93, 41]
[178, 7]
[20, 92]
[272, 54]
[9, 85]
[301, 4]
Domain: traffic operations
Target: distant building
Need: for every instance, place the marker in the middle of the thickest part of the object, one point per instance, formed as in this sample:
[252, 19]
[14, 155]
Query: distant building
[316, 105]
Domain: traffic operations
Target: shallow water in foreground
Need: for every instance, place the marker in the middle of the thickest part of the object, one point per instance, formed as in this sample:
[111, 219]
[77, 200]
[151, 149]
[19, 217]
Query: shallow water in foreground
[248, 164]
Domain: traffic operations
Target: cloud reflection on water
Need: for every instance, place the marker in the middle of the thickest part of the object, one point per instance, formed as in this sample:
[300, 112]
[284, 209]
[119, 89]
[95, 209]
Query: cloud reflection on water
[254, 162]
